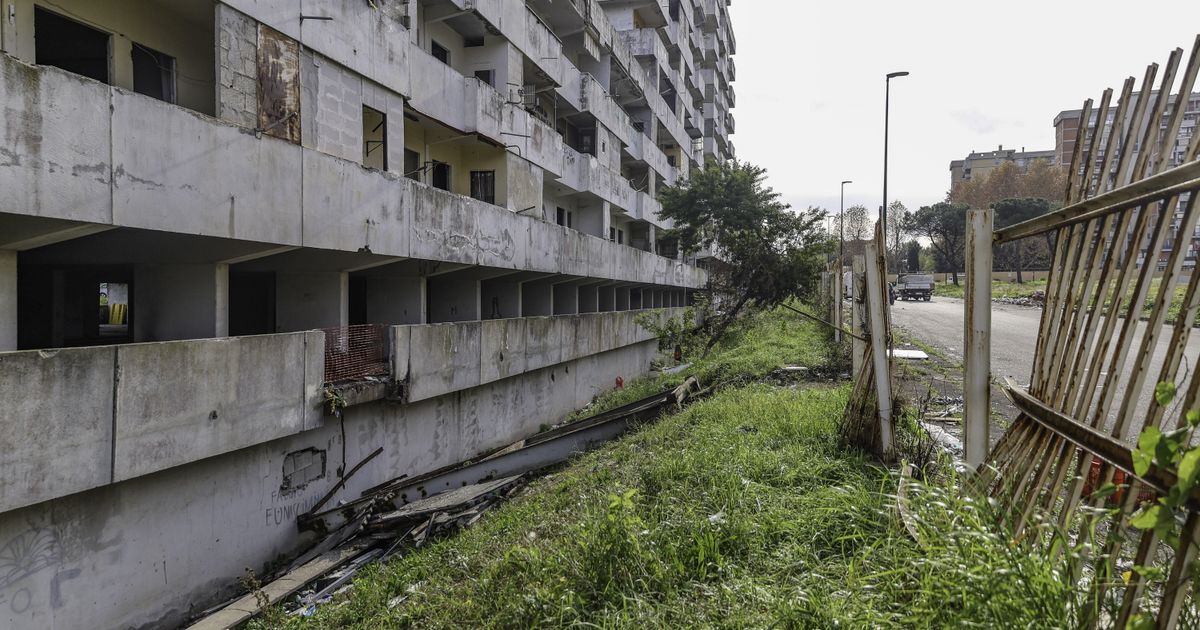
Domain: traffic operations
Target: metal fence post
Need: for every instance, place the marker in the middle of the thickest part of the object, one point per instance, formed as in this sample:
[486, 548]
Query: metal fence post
[859, 349]
[876, 290]
[977, 346]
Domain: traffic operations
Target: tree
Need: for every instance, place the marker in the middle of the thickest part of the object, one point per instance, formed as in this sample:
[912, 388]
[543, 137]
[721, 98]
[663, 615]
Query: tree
[898, 218]
[769, 254]
[1009, 181]
[1013, 211]
[945, 225]
[913, 250]
[858, 224]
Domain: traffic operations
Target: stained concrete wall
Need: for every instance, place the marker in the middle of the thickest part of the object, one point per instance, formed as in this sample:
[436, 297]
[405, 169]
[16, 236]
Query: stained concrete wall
[174, 302]
[173, 169]
[148, 551]
[109, 413]
[395, 300]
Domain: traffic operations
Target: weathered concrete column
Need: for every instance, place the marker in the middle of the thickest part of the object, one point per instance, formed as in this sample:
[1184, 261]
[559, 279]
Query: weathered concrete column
[977, 376]
[8, 300]
[877, 303]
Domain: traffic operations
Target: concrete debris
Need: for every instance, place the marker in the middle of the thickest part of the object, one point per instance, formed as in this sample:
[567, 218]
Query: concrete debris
[909, 355]
[1037, 300]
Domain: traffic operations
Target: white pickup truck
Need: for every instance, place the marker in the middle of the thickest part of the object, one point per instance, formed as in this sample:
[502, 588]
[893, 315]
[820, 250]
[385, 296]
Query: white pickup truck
[914, 286]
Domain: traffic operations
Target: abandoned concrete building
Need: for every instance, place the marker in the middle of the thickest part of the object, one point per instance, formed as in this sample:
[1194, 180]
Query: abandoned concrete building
[451, 203]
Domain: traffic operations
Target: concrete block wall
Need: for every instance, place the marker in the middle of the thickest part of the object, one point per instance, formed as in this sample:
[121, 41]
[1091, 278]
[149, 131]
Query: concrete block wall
[237, 67]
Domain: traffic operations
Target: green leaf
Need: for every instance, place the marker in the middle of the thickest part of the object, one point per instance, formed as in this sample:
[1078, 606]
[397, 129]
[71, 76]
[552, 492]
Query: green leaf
[1164, 393]
[1141, 621]
[1147, 518]
[1189, 467]
[1193, 418]
[1108, 489]
[1143, 455]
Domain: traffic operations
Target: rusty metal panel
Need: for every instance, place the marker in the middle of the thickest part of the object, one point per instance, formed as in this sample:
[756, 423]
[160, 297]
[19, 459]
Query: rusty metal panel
[278, 84]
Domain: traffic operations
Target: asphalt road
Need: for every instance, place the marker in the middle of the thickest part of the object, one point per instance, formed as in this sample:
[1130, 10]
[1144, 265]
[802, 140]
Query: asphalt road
[1014, 335]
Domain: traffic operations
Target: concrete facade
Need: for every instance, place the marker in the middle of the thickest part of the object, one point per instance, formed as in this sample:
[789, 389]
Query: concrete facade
[216, 215]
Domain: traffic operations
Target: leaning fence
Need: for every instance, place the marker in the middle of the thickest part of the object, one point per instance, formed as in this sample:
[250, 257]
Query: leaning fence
[868, 418]
[1101, 461]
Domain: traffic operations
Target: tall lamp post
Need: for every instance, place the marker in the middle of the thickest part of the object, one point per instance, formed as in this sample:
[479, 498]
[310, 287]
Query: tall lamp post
[842, 224]
[887, 96]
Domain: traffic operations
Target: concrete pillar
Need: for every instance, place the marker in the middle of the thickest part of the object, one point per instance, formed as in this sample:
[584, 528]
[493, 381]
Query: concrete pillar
[452, 299]
[566, 299]
[589, 299]
[977, 345]
[537, 299]
[8, 300]
[607, 296]
[173, 302]
[308, 300]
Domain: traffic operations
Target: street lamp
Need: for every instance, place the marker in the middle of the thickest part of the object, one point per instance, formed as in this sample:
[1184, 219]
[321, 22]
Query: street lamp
[887, 95]
[842, 224]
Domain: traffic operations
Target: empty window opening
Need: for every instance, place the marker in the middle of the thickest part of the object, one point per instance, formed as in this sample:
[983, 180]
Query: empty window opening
[439, 52]
[612, 233]
[487, 76]
[113, 320]
[563, 217]
[620, 237]
[153, 73]
[441, 175]
[483, 186]
[64, 43]
[412, 164]
[374, 124]
[587, 141]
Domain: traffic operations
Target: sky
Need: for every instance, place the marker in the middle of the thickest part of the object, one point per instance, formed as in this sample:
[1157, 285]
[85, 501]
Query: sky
[810, 83]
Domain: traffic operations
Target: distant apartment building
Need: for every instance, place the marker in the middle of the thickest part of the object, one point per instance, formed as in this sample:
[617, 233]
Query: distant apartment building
[1069, 128]
[246, 243]
[978, 165]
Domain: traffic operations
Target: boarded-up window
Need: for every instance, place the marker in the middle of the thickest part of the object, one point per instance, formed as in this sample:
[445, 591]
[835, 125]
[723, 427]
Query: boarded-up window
[278, 84]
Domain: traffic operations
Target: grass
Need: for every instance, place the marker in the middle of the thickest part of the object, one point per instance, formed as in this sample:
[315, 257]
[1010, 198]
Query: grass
[741, 511]
[999, 289]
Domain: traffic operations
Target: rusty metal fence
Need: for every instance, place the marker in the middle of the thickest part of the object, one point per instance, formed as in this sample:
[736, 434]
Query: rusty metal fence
[355, 352]
[1101, 462]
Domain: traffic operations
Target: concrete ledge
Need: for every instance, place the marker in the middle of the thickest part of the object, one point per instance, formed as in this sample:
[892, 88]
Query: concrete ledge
[57, 424]
[182, 401]
[503, 349]
[443, 358]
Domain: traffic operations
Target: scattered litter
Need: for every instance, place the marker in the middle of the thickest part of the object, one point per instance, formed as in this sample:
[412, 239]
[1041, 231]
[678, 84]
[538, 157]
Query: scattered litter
[677, 369]
[718, 518]
[909, 355]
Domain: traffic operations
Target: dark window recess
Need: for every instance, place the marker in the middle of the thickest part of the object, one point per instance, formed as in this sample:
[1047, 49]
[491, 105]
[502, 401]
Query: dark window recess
[374, 123]
[67, 44]
[441, 175]
[472, 42]
[487, 76]
[412, 164]
[153, 73]
[612, 233]
[587, 141]
[620, 237]
[483, 185]
[671, 160]
[560, 216]
[439, 52]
